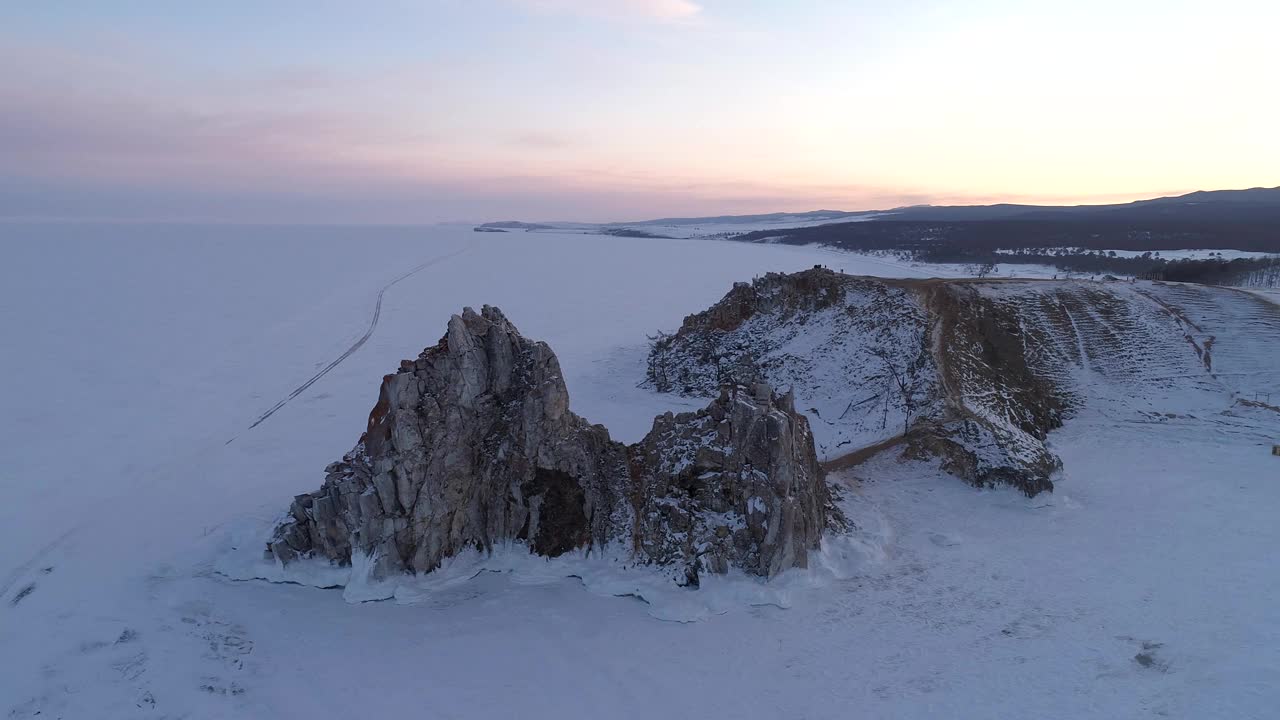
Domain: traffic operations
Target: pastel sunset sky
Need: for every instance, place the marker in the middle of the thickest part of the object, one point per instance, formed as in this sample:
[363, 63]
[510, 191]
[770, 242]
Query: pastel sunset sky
[404, 111]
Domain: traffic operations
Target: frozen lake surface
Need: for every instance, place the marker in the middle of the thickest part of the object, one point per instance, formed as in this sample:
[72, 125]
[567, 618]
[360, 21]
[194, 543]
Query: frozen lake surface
[137, 358]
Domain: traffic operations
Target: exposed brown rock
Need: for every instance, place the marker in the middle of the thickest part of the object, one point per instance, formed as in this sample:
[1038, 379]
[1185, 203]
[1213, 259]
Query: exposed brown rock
[736, 484]
[471, 444]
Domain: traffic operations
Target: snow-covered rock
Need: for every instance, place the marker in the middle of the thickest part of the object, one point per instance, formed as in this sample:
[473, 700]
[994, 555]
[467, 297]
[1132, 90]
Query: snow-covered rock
[877, 361]
[473, 445]
[856, 350]
[975, 373]
[470, 444]
[736, 484]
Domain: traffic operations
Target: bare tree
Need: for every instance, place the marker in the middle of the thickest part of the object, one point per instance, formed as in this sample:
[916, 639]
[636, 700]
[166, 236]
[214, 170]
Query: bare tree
[907, 382]
[659, 363]
[899, 386]
[980, 269]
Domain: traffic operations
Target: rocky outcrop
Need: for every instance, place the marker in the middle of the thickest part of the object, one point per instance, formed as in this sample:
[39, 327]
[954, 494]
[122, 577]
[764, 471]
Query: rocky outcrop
[473, 444]
[734, 485]
[985, 454]
[1000, 398]
[975, 373]
[933, 364]
[857, 351]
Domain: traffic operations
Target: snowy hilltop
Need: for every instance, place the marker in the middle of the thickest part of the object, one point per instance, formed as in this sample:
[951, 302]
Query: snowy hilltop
[976, 373]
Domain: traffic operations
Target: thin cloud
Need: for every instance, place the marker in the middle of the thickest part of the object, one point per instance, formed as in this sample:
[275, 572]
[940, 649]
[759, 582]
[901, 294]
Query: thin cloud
[540, 140]
[662, 10]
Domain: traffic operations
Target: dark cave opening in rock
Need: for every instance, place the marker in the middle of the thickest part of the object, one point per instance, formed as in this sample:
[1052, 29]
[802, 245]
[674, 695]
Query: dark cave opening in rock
[562, 524]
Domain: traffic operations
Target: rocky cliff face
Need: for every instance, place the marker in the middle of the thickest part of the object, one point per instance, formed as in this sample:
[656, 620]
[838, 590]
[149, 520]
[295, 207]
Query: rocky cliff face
[734, 485]
[473, 444]
[999, 400]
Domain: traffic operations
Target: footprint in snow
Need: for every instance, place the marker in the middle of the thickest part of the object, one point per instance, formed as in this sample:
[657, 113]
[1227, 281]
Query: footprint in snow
[942, 540]
[1149, 658]
[1148, 655]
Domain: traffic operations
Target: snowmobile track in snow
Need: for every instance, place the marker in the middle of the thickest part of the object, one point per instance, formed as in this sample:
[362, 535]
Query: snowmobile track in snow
[373, 325]
[22, 570]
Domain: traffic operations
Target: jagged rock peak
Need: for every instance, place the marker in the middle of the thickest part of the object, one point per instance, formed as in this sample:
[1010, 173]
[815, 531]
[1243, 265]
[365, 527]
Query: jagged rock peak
[473, 444]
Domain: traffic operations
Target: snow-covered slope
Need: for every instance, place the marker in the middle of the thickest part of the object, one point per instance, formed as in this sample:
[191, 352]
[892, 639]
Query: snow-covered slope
[133, 356]
[842, 342]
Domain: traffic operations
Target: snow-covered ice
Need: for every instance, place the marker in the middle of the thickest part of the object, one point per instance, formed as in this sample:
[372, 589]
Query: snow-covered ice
[135, 359]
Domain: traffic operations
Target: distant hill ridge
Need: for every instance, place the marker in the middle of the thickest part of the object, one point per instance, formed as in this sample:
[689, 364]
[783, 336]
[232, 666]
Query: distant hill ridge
[1254, 202]
[1199, 204]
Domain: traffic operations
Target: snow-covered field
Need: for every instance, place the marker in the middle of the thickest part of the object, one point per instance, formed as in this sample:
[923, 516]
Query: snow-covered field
[1196, 254]
[136, 358]
[1002, 270]
[916, 268]
[1165, 254]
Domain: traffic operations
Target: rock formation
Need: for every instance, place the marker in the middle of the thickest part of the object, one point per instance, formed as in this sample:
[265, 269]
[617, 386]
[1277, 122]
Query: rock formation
[737, 485]
[935, 365]
[973, 373]
[473, 444]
